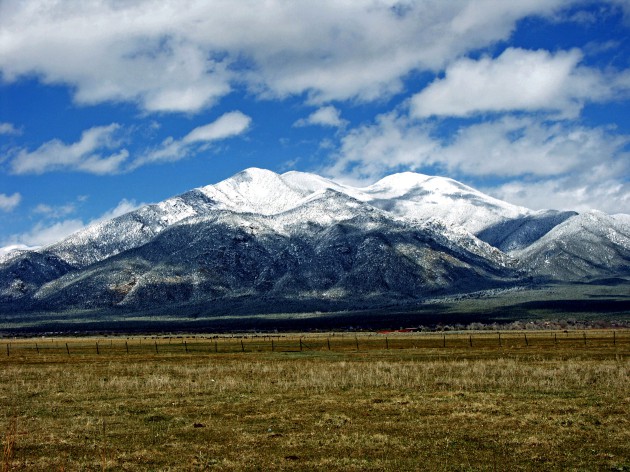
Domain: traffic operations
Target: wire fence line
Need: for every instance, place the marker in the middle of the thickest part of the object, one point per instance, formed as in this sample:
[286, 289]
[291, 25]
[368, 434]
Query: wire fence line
[310, 342]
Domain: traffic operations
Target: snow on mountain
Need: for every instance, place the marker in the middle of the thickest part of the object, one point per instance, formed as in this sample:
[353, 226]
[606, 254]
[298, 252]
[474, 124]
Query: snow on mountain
[417, 198]
[264, 192]
[587, 245]
[105, 239]
[254, 191]
[296, 235]
[622, 218]
[359, 253]
[406, 194]
[10, 252]
[513, 234]
[422, 197]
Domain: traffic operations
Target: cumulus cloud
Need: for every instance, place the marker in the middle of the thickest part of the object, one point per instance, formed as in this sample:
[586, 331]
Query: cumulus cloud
[512, 147]
[324, 116]
[579, 193]
[226, 126]
[9, 202]
[9, 129]
[517, 80]
[165, 56]
[588, 164]
[92, 154]
[392, 142]
[99, 151]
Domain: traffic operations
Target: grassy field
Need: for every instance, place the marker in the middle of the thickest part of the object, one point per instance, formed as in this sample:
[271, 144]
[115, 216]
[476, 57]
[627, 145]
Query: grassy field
[396, 401]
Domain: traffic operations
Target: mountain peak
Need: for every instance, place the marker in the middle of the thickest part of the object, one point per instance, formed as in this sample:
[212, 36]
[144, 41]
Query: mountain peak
[298, 236]
[401, 180]
[255, 174]
[254, 191]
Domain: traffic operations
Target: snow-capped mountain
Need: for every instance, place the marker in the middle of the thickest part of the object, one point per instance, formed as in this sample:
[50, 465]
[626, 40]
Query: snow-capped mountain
[298, 240]
[588, 245]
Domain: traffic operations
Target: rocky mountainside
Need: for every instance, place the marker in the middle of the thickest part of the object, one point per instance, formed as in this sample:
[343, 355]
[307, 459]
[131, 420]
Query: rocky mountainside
[585, 246]
[284, 242]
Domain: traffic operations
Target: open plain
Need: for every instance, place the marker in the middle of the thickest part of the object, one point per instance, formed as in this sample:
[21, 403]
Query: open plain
[541, 400]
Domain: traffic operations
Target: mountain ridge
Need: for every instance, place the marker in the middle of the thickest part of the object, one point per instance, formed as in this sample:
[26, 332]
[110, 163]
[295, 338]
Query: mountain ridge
[262, 237]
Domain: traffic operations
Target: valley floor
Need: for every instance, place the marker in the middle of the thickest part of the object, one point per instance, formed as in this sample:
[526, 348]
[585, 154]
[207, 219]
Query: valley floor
[599, 304]
[374, 401]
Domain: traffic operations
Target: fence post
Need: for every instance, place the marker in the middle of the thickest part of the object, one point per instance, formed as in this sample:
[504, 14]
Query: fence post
[242, 346]
[7, 349]
[470, 339]
[499, 339]
[67, 349]
[328, 343]
[443, 340]
[386, 343]
[526, 341]
[272, 346]
[156, 348]
[127, 347]
[300, 344]
[614, 338]
[216, 347]
[555, 338]
[37, 348]
[97, 348]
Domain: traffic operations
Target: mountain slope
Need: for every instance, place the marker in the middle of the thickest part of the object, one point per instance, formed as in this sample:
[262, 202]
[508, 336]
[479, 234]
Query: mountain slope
[105, 239]
[584, 246]
[359, 254]
[298, 240]
[421, 197]
[520, 232]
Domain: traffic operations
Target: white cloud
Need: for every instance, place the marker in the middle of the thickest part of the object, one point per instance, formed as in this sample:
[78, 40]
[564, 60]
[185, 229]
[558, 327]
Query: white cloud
[370, 151]
[90, 154]
[99, 150]
[511, 147]
[44, 233]
[166, 56]
[579, 193]
[58, 211]
[9, 202]
[324, 116]
[516, 80]
[226, 126]
[589, 165]
[124, 206]
[9, 129]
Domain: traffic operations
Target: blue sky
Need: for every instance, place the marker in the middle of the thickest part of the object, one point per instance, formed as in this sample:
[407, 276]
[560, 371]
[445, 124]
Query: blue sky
[107, 105]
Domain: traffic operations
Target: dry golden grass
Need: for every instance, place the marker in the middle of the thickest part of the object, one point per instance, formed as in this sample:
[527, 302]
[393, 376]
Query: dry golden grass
[416, 406]
[9, 444]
